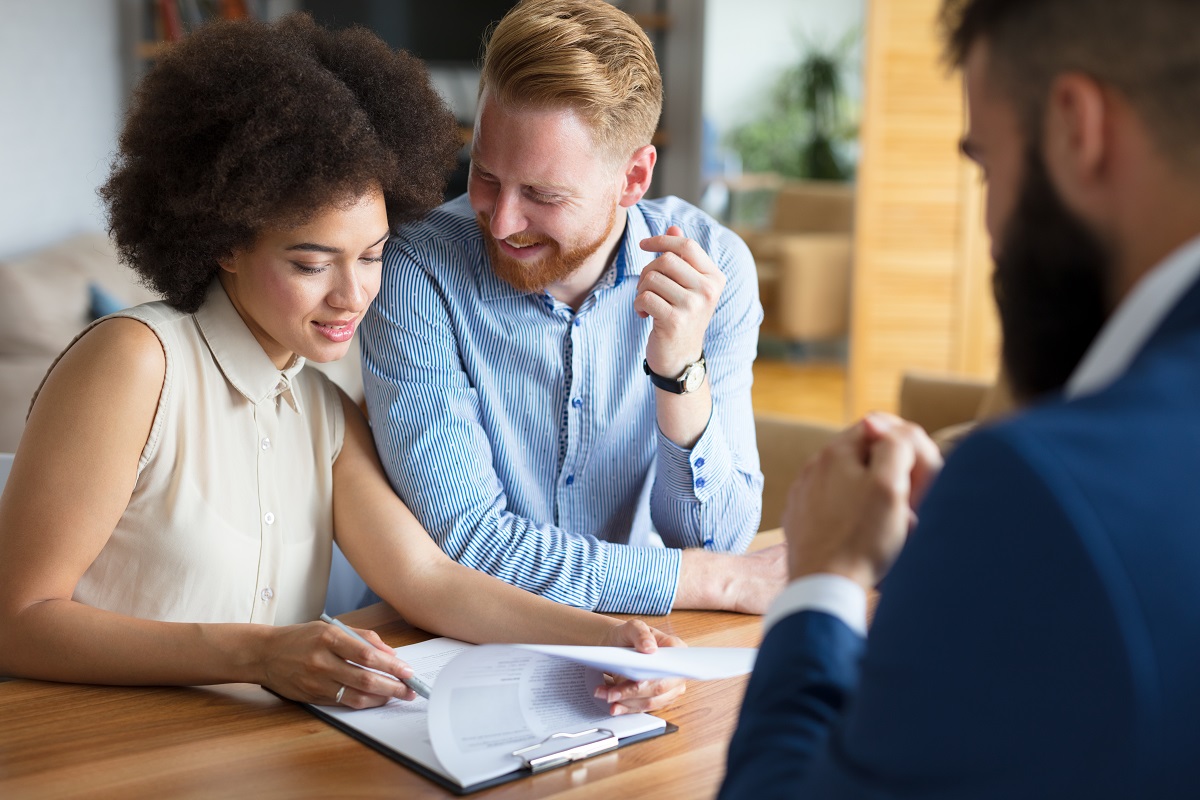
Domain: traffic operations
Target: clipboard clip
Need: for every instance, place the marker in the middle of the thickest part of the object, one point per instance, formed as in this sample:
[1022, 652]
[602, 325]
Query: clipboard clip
[552, 752]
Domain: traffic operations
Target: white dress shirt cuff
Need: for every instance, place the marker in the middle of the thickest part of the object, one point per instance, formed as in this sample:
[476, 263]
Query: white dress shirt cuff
[832, 594]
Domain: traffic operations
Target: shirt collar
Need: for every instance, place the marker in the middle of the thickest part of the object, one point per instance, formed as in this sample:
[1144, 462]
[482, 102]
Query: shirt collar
[239, 355]
[1135, 320]
[629, 261]
[636, 230]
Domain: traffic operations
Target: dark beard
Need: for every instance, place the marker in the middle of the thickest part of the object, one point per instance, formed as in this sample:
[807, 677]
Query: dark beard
[1052, 284]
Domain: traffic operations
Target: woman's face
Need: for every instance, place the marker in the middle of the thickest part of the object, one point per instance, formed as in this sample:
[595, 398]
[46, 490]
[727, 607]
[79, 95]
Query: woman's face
[303, 291]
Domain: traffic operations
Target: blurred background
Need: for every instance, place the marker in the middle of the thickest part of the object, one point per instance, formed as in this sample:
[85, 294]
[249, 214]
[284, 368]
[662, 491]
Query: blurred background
[823, 131]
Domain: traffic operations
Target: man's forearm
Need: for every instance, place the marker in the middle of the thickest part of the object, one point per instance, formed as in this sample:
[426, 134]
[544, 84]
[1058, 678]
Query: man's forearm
[745, 583]
[682, 418]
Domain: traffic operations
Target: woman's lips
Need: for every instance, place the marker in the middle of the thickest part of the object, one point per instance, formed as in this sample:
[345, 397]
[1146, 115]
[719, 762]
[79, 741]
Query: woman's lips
[336, 331]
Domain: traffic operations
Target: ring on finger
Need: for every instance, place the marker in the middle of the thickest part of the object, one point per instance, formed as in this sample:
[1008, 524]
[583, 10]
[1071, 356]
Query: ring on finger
[337, 698]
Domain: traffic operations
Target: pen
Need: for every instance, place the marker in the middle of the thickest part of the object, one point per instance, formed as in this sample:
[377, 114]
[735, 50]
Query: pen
[416, 684]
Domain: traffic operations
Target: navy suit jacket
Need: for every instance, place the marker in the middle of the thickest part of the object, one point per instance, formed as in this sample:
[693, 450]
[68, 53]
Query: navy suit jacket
[1039, 635]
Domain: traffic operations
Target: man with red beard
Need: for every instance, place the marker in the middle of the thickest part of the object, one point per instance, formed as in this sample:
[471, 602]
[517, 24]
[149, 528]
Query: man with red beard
[557, 370]
[1039, 634]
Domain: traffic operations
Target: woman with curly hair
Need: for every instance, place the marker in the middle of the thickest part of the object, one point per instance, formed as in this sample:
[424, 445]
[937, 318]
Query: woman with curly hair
[170, 514]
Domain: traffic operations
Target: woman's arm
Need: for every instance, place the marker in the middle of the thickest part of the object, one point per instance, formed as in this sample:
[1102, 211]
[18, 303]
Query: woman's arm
[398, 559]
[73, 475]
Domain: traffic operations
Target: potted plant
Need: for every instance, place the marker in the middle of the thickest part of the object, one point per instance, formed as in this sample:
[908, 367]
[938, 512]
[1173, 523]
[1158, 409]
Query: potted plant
[810, 126]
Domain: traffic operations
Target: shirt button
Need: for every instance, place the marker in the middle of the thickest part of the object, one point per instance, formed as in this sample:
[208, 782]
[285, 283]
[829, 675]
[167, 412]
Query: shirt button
[269, 518]
[577, 323]
[266, 594]
[266, 443]
[699, 463]
[577, 403]
[699, 483]
[570, 479]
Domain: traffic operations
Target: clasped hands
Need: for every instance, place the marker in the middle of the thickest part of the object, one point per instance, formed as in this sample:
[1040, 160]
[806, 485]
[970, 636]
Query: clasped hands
[309, 663]
[850, 510]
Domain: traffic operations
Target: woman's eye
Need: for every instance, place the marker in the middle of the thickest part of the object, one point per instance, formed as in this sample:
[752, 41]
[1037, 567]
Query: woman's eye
[306, 269]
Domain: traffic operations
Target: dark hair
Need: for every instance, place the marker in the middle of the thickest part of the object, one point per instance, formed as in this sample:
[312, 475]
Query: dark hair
[248, 124]
[1149, 50]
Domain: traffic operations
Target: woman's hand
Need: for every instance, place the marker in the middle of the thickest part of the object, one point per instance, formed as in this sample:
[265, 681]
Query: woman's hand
[632, 697]
[308, 663]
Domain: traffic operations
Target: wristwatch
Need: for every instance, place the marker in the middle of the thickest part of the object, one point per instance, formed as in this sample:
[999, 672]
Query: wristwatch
[691, 379]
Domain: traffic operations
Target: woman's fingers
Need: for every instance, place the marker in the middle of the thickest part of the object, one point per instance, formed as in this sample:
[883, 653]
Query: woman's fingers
[624, 696]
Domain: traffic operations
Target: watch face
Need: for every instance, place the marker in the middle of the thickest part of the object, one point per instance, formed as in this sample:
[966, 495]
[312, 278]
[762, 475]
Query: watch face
[693, 378]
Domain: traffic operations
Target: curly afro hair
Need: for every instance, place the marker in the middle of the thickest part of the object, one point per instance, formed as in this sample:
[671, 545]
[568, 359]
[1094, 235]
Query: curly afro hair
[248, 124]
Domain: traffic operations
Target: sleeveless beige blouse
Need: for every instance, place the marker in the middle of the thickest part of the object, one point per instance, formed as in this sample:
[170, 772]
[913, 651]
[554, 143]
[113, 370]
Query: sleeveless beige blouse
[231, 517]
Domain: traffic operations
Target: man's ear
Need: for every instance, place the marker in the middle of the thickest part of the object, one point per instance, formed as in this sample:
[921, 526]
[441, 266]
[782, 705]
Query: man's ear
[638, 172]
[1077, 138]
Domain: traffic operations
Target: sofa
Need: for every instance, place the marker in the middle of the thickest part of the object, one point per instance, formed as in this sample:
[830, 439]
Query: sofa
[49, 296]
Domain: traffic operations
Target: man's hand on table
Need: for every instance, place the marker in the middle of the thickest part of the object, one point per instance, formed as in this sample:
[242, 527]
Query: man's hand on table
[729, 582]
[851, 508]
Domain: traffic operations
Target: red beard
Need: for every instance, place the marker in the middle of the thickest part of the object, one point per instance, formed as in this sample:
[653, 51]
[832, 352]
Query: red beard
[552, 267]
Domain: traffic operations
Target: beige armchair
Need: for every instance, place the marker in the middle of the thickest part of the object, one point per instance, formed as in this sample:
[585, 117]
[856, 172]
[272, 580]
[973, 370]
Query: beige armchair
[784, 446]
[804, 261]
[947, 406]
[950, 406]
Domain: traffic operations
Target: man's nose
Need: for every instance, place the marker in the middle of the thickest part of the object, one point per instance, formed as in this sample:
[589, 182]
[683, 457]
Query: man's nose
[507, 218]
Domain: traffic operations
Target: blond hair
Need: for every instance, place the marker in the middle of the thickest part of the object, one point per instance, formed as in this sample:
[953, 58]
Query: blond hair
[585, 55]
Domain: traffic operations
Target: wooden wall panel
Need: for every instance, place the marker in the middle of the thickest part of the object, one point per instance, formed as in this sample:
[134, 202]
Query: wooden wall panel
[921, 297]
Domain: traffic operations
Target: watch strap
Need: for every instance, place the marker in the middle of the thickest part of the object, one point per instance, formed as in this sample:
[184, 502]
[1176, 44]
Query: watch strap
[672, 385]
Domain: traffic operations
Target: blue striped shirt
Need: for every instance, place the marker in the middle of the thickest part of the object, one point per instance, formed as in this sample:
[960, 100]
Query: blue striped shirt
[522, 433]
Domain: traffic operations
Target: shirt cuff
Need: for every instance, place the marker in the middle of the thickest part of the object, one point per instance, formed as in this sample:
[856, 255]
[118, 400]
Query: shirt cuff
[699, 473]
[639, 580]
[832, 594]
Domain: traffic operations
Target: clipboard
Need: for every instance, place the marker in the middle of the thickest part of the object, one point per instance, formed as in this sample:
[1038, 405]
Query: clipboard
[556, 750]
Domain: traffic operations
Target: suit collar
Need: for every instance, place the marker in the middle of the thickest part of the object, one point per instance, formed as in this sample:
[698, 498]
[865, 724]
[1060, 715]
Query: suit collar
[1166, 297]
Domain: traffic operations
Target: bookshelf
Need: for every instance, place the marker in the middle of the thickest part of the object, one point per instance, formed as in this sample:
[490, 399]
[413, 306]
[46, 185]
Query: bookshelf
[164, 22]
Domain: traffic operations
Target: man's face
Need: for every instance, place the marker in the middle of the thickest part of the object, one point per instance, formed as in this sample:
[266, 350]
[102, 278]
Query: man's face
[1052, 273]
[545, 196]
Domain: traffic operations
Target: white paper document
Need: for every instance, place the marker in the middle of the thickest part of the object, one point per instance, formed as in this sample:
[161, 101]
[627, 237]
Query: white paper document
[490, 700]
[697, 663]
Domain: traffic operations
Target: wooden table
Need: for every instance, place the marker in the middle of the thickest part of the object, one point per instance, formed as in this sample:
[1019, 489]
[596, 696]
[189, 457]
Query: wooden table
[237, 740]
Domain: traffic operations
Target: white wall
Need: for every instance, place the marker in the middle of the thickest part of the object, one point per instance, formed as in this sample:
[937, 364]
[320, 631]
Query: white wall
[61, 88]
[748, 43]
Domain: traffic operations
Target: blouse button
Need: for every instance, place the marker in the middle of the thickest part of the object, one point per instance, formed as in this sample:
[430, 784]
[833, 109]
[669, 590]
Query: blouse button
[266, 443]
[269, 518]
[266, 594]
